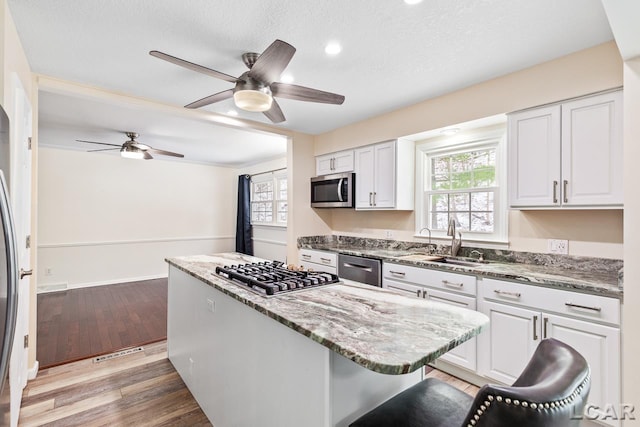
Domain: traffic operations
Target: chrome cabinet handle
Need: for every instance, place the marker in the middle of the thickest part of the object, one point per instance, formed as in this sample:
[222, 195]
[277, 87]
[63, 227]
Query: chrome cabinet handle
[544, 327]
[325, 259]
[370, 199]
[399, 273]
[586, 307]
[374, 198]
[333, 164]
[306, 256]
[535, 332]
[511, 294]
[555, 191]
[24, 273]
[453, 284]
[564, 191]
[418, 293]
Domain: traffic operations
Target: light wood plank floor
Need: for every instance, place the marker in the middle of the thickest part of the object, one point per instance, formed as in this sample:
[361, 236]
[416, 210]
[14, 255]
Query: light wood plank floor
[141, 389]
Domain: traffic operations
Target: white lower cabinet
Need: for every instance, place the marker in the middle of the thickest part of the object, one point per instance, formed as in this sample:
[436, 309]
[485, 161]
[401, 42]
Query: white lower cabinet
[318, 260]
[429, 284]
[522, 315]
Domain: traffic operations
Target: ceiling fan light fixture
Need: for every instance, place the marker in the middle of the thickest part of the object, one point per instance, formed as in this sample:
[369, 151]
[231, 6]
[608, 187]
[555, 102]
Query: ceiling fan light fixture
[252, 100]
[129, 152]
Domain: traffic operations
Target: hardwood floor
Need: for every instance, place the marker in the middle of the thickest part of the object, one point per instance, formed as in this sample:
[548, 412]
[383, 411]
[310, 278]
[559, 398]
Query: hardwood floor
[82, 323]
[141, 389]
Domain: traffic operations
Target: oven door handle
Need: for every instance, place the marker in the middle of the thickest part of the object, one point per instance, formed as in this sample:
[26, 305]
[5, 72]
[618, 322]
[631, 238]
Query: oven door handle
[360, 267]
[340, 189]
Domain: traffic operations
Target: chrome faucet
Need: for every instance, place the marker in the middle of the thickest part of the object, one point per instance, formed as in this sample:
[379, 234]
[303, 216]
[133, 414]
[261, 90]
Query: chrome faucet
[429, 230]
[455, 243]
[480, 254]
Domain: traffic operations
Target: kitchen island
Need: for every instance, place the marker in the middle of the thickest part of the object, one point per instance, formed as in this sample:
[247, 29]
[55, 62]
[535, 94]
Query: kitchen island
[316, 357]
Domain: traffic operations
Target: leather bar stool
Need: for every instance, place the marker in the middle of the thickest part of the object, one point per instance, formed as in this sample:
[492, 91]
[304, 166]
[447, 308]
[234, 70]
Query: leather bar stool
[551, 392]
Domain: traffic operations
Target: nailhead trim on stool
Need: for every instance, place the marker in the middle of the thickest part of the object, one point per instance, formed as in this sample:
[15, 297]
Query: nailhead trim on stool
[533, 405]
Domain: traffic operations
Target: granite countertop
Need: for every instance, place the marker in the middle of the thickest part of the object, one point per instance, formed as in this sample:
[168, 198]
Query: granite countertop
[379, 329]
[583, 279]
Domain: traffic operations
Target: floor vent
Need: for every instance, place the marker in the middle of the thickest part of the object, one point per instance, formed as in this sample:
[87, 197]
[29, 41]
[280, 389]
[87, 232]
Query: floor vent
[117, 354]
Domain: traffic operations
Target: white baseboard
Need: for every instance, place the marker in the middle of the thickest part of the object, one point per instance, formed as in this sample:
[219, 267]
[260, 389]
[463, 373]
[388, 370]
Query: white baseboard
[33, 371]
[56, 287]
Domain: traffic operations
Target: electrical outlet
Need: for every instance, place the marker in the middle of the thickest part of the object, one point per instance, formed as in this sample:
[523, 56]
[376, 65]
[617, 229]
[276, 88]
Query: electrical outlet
[388, 234]
[557, 246]
[211, 305]
[48, 271]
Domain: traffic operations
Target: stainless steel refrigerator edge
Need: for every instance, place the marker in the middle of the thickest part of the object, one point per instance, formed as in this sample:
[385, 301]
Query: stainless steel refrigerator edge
[8, 274]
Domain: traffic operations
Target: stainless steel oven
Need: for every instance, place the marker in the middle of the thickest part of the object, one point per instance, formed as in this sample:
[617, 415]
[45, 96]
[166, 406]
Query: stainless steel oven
[333, 191]
[360, 269]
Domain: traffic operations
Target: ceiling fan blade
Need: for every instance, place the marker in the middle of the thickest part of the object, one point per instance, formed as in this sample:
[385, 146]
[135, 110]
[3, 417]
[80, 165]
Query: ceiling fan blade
[146, 155]
[301, 93]
[272, 62]
[216, 97]
[192, 66]
[101, 143]
[164, 152]
[275, 113]
[102, 149]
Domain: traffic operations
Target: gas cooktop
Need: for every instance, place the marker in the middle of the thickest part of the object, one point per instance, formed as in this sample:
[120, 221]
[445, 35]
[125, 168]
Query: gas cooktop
[274, 278]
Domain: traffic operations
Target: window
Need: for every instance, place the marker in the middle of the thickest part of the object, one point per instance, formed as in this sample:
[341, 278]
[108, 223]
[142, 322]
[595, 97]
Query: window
[269, 199]
[463, 182]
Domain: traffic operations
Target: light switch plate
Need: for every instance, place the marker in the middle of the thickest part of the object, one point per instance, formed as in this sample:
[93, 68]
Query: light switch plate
[557, 246]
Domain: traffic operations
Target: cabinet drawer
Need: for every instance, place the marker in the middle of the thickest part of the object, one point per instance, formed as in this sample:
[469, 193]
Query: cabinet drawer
[574, 304]
[329, 259]
[434, 278]
[318, 267]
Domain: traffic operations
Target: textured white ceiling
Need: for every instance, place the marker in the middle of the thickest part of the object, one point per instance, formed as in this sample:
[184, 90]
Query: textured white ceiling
[393, 55]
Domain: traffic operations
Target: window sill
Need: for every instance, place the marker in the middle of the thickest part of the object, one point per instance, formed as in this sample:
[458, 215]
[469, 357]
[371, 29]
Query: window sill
[267, 225]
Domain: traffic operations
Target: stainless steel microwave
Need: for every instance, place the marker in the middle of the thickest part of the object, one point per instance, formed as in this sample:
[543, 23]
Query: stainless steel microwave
[333, 191]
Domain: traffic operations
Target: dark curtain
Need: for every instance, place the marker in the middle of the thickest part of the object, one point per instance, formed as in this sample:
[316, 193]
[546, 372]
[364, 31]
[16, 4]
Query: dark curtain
[243, 224]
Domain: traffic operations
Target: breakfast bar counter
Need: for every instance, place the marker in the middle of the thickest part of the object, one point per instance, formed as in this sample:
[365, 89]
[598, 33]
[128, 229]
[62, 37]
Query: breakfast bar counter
[315, 357]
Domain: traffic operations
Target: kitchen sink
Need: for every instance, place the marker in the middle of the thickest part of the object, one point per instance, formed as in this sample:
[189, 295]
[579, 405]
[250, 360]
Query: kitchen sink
[443, 259]
[467, 262]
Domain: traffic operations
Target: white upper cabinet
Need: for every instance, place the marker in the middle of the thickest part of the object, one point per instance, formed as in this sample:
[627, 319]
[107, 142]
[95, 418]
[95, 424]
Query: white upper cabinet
[567, 155]
[385, 175]
[334, 163]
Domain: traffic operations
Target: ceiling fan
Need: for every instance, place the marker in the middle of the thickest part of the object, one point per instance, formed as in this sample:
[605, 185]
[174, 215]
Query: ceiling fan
[254, 90]
[132, 149]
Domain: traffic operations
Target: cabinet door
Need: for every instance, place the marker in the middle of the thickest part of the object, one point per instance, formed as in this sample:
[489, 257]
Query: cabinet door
[600, 346]
[534, 157]
[385, 175]
[592, 150]
[364, 168]
[324, 165]
[506, 347]
[463, 355]
[343, 161]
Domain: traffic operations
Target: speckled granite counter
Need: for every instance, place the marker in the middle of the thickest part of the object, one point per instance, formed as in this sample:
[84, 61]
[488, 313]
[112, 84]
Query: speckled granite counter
[584, 274]
[378, 329]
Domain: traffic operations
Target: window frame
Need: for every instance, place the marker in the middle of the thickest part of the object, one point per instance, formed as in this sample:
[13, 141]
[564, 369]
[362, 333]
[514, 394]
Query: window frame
[478, 140]
[275, 178]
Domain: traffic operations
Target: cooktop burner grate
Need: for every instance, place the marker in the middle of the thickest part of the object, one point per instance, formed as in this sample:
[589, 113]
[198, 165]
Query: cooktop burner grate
[273, 278]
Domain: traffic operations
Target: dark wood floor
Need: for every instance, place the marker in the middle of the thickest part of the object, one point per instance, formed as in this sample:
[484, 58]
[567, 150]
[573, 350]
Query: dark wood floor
[141, 389]
[82, 323]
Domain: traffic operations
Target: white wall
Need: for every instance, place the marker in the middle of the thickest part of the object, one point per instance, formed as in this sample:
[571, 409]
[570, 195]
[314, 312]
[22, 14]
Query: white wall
[269, 242]
[105, 219]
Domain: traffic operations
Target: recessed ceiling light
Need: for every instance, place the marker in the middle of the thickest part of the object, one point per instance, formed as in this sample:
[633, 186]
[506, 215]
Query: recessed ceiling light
[232, 113]
[286, 78]
[450, 131]
[412, 1]
[333, 48]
